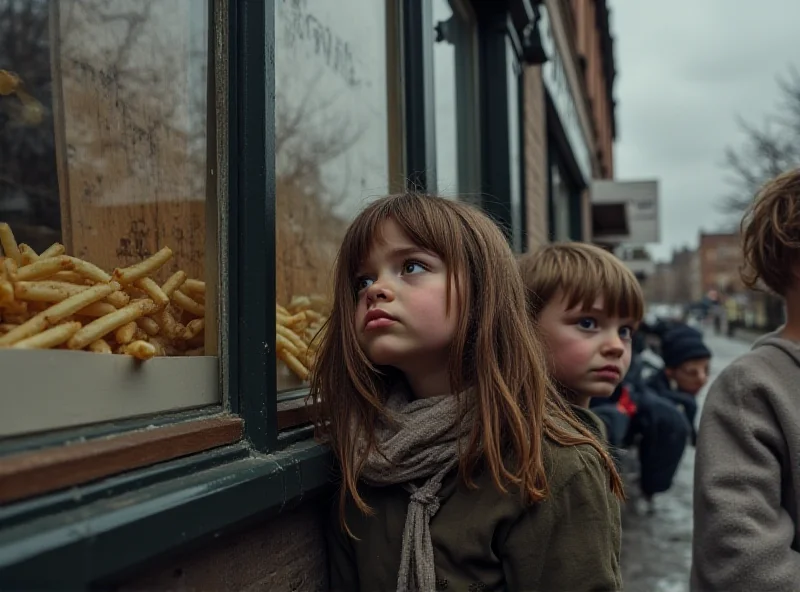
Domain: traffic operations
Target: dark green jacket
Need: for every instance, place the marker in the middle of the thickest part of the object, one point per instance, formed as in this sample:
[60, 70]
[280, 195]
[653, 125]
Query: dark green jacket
[485, 541]
[591, 421]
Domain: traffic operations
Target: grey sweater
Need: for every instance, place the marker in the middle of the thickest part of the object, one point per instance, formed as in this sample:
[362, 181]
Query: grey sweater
[747, 475]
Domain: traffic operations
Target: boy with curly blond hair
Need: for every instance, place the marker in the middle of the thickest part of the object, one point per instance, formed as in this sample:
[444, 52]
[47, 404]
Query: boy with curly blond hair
[747, 474]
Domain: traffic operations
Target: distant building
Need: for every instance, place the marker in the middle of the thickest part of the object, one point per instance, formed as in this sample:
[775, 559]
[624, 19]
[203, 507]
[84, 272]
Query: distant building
[720, 256]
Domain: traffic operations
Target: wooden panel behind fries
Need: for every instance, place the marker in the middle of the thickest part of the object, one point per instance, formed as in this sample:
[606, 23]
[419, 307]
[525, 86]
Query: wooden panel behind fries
[54, 301]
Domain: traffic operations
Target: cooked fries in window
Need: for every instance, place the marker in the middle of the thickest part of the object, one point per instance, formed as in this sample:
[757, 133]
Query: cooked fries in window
[55, 301]
[298, 326]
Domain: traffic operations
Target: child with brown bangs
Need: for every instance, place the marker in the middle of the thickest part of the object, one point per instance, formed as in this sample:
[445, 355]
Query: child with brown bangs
[747, 472]
[586, 304]
[460, 466]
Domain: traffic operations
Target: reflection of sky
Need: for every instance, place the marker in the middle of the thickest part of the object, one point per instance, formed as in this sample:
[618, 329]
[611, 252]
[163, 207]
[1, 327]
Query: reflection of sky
[331, 69]
[444, 72]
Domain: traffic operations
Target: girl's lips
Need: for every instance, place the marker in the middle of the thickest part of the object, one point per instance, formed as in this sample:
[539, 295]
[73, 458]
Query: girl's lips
[377, 318]
[378, 323]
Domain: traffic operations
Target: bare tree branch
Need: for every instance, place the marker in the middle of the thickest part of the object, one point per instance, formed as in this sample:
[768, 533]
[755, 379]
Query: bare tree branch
[767, 150]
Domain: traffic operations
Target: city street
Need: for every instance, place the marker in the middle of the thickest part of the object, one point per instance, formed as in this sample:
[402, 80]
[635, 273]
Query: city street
[656, 549]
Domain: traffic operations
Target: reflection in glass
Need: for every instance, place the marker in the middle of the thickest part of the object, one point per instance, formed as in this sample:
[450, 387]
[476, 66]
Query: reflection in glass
[560, 202]
[455, 95]
[103, 135]
[514, 145]
[334, 128]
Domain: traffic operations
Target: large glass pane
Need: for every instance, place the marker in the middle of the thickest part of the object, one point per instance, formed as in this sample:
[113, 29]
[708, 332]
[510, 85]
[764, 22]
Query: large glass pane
[337, 147]
[103, 165]
[514, 145]
[560, 202]
[455, 95]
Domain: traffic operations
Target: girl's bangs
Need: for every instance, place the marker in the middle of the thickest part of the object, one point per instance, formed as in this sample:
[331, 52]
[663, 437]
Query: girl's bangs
[427, 222]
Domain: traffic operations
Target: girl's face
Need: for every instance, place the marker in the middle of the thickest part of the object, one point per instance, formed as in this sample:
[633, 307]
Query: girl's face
[402, 315]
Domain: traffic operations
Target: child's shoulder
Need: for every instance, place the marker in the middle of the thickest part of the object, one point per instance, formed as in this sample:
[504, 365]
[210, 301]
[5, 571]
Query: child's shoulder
[759, 386]
[590, 421]
[767, 363]
[573, 465]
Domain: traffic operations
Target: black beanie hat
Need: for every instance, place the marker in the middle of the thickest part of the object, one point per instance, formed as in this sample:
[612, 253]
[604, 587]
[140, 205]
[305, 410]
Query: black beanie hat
[681, 344]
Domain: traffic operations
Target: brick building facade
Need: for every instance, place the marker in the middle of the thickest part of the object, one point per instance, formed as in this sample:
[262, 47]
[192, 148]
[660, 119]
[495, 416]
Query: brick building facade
[570, 125]
[720, 256]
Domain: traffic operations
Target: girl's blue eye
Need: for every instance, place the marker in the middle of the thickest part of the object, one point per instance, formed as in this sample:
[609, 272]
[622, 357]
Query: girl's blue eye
[626, 333]
[587, 323]
[412, 267]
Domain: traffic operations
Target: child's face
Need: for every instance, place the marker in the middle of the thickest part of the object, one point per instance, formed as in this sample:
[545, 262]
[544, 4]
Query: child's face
[691, 376]
[589, 351]
[401, 317]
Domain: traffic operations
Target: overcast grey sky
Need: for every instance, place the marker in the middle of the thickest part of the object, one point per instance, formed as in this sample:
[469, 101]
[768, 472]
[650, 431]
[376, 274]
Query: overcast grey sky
[687, 68]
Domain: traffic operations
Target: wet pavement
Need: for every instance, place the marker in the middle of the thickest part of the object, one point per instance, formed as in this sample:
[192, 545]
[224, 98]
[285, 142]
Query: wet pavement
[656, 549]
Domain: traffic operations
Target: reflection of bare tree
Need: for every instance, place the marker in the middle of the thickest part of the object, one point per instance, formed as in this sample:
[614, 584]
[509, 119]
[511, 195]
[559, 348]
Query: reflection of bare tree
[28, 181]
[142, 55]
[128, 105]
[309, 229]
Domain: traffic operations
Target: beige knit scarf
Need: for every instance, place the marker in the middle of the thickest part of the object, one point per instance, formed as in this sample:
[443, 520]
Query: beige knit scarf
[424, 444]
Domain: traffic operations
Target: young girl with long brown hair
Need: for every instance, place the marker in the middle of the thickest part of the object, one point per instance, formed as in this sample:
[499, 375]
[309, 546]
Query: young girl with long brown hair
[461, 468]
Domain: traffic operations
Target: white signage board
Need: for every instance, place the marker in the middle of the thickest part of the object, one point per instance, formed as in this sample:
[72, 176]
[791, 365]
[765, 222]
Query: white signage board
[640, 199]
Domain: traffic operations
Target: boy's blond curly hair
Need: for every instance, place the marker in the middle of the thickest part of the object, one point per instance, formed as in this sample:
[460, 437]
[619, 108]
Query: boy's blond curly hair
[580, 273]
[771, 234]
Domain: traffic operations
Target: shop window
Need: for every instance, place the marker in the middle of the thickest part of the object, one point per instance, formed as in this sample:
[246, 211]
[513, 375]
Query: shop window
[455, 85]
[338, 145]
[560, 206]
[513, 73]
[103, 165]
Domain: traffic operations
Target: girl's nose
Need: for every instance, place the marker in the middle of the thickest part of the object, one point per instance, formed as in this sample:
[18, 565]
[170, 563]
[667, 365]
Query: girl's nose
[379, 290]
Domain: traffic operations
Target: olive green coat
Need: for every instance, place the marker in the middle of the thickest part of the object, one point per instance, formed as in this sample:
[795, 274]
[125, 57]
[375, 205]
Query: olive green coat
[485, 540]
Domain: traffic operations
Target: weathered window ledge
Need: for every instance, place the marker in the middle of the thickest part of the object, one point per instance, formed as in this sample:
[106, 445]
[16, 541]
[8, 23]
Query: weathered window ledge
[91, 533]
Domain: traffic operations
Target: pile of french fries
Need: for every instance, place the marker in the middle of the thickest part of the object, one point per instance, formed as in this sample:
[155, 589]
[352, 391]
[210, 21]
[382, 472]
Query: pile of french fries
[297, 330]
[51, 300]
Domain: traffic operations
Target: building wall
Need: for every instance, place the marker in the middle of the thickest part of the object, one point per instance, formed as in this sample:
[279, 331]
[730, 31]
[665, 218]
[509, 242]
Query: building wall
[565, 29]
[589, 47]
[659, 288]
[286, 554]
[686, 282]
[720, 260]
[579, 41]
[535, 151]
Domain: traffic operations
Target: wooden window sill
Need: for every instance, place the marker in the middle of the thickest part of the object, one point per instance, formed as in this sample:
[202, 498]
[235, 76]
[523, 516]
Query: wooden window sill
[41, 471]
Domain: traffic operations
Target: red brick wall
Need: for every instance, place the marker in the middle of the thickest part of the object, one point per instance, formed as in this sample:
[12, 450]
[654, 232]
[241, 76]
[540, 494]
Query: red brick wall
[535, 157]
[720, 260]
[588, 47]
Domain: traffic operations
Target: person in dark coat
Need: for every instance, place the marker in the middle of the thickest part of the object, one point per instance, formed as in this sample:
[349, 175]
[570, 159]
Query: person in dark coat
[635, 414]
[686, 368]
